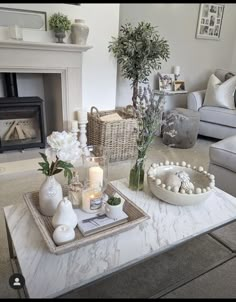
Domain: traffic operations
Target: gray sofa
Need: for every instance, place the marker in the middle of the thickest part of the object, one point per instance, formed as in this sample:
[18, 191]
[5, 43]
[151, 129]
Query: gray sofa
[214, 121]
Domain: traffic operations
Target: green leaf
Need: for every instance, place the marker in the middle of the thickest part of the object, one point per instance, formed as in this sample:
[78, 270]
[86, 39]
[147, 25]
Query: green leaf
[44, 156]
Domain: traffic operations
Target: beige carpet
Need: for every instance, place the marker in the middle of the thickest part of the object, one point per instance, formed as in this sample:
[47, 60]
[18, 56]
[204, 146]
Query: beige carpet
[20, 179]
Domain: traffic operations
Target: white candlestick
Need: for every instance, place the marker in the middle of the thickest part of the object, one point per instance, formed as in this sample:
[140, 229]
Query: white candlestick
[177, 70]
[82, 116]
[96, 176]
[74, 125]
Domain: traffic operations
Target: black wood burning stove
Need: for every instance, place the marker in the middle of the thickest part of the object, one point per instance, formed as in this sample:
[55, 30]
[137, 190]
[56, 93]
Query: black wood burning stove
[22, 119]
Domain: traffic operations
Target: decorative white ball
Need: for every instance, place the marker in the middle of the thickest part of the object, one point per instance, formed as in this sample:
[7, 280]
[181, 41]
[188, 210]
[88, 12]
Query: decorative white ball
[200, 169]
[205, 172]
[194, 167]
[153, 177]
[183, 163]
[167, 162]
[169, 188]
[190, 192]
[158, 181]
[177, 163]
[203, 190]
[208, 189]
[188, 166]
[212, 176]
[212, 185]
[62, 234]
[154, 165]
[163, 186]
[182, 191]
[176, 189]
[198, 190]
[172, 163]
[161, 164]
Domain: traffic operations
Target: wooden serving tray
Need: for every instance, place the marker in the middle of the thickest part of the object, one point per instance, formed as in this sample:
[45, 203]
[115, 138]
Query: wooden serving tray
[44, 223]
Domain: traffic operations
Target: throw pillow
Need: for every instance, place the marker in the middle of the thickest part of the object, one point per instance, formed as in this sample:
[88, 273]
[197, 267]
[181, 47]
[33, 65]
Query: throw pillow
[220, 94]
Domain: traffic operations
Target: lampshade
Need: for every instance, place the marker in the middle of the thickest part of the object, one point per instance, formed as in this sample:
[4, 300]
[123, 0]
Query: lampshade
[177, 70]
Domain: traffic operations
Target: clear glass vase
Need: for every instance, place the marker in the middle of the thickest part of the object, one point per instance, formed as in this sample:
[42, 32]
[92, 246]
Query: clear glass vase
[137, 173]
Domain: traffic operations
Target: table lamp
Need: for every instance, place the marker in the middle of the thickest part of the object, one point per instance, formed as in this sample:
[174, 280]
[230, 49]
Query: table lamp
[176, 72]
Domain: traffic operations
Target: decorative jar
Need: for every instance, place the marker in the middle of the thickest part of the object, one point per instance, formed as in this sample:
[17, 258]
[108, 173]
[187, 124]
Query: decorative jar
[137, 173]
[79, 32]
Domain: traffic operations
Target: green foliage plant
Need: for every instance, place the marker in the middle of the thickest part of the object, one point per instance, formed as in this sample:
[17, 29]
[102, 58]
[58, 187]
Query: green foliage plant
[55, 167]
[114, 201]
[139, 50]
[59, 23]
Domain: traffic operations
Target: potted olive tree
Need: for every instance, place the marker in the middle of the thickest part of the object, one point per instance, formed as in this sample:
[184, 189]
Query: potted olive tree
[59, 23]
[139, 50]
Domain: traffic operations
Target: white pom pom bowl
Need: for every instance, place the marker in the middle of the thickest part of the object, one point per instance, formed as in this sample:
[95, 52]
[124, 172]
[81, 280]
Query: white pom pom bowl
[203, 183]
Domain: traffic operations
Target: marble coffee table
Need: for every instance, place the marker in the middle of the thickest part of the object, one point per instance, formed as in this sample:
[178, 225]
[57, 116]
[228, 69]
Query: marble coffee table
[48, 275]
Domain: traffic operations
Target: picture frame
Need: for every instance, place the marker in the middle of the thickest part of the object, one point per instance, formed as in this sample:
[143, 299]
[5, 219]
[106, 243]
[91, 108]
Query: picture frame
[210, 19]
[179, 86]
[166, 81]
[27, 19]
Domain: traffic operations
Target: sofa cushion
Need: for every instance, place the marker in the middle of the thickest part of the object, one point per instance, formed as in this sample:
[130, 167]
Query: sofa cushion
[220, 94]
[223, 153]
[218, 115]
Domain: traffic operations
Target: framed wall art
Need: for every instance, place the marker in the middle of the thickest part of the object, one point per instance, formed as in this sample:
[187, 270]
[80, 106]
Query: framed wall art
[210, 21]
[28, 19]
[166, 81]
[179, 86]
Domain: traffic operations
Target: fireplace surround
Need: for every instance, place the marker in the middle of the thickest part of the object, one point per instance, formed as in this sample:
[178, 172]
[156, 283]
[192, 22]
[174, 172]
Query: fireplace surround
[52, 60]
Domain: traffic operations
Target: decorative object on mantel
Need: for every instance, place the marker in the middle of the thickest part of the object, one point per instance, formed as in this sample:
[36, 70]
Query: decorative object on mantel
[139, 50]
[180, 183]
[64, 150]
[79, 32]
[148, 109]
[64, 214]
[59, 23]
[15, 32]
[105, 131]
[136, 215]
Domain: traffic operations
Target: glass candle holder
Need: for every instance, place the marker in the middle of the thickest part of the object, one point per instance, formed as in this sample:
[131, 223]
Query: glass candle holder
[95, 165]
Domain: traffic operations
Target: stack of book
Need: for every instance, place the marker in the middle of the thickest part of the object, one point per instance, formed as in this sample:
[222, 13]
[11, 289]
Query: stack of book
[92, 223]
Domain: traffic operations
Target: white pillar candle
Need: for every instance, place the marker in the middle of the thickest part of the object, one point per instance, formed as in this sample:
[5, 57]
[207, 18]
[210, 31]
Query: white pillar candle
[74, 125]
[96, 176]
[82, 116]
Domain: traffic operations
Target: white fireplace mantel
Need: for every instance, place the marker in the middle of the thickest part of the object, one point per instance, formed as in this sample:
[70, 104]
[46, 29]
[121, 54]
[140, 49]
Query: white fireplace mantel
[63, 59]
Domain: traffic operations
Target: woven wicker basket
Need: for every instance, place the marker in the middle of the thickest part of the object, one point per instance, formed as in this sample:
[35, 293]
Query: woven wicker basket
[118, 137]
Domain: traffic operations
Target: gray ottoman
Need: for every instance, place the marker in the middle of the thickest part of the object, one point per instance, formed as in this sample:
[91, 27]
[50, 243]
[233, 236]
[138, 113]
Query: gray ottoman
[180, 128]
[223, 164]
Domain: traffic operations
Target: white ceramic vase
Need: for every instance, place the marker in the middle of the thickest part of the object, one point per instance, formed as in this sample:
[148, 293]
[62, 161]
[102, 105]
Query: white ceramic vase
[50, 194]
[65, 215]
[79, 32]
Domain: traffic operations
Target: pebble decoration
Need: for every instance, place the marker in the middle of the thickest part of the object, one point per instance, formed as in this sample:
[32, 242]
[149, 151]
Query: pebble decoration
[186, 187]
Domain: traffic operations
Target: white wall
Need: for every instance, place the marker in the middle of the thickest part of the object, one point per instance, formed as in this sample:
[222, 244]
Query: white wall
[177, 23]
[99, 66]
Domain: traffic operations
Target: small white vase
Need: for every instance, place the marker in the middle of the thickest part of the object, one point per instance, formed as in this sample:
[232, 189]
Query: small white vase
[79, 32]
[65, 214]
[50, 194]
